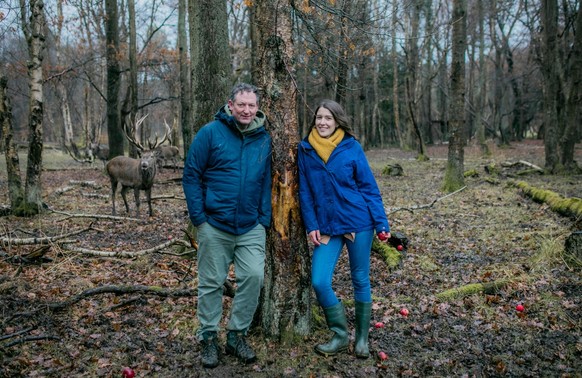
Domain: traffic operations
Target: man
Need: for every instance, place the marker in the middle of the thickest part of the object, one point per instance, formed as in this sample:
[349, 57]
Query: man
[227, 183]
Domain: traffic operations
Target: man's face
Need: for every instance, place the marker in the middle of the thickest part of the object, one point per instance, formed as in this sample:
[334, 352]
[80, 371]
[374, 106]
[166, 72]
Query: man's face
[244, 107]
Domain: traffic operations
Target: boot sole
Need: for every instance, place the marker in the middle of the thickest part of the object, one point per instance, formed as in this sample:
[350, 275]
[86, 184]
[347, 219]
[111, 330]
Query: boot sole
[231, 352]
[210, 366]
[328, 354]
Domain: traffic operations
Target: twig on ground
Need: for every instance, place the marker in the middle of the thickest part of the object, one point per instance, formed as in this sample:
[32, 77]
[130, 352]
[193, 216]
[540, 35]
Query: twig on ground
[412, 208]
[8, 241]
[31, 338]
[155, 249]
[95, 216]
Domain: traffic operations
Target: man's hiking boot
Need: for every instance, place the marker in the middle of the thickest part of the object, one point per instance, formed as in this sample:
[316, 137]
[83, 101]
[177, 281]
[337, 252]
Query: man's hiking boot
[237, 346]
[210, 350]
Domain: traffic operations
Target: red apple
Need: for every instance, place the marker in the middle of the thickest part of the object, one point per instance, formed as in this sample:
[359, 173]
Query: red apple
[519, 308]
[400, 247]
[379, 325]
[127, 372]
[383, 236]
[383, 356]
[404, 312]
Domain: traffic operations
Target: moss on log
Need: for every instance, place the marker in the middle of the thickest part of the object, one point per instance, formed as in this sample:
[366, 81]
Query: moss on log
[391, 255]
[570, 207]
[470, 289]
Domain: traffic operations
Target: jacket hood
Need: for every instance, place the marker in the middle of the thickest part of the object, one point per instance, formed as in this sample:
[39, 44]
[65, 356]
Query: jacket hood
[224, 115]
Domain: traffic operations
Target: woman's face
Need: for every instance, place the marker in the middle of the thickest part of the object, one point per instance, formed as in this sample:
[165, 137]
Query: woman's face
[324, 122]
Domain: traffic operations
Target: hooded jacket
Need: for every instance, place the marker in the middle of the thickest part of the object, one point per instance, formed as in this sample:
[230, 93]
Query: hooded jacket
[227, 174]
[341, 196]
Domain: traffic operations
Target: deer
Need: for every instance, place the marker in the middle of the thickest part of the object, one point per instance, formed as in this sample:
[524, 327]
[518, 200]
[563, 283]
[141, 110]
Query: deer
[137, 174]
[170, 152]
[99, 151]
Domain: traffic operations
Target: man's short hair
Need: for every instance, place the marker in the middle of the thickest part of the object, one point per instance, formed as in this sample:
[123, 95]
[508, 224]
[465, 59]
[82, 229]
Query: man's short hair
[244, 87]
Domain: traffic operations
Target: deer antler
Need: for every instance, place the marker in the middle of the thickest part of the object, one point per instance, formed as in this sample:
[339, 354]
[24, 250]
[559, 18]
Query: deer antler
[164, 138]
[134, 140]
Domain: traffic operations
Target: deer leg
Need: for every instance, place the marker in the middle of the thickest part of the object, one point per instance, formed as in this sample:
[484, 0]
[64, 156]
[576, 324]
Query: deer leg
[149, 199]
[136, 195]
[113, 190]
[124, 196]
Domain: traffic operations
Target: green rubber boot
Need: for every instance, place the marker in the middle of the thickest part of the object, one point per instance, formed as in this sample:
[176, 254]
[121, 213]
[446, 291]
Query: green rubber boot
[337, 322]
[363, 314]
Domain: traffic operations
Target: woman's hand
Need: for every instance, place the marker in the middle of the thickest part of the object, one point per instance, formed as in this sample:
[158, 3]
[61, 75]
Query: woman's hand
[315, 237]
[384, 236]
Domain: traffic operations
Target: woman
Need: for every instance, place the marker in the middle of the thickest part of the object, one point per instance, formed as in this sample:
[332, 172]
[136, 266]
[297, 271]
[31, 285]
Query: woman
[341, 205]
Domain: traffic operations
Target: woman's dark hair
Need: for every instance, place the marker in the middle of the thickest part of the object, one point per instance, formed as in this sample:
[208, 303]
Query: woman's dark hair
[338, 113]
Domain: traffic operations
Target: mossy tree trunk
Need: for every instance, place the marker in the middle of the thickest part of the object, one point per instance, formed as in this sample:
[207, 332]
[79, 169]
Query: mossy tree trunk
[211, 79]
[15, 191]
[114, 132]
[454, 178]
[286, 304]
[34, 28]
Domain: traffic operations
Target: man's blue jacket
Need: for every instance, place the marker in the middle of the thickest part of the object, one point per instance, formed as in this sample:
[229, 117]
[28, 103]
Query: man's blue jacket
[227, 175]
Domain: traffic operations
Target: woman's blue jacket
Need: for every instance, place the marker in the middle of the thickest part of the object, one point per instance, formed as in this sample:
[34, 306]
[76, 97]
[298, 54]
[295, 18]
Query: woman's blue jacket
[227, 175]
[341, 196]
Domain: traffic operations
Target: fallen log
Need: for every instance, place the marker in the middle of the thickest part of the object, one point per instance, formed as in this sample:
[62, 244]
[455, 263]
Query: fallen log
[569, 207]
[470, 289]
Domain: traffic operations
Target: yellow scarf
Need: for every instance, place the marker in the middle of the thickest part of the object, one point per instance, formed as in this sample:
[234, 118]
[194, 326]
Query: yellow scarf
[325, 146]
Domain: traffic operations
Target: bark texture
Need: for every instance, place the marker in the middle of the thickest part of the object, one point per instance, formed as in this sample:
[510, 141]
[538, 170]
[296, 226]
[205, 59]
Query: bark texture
[33, 29]
[454, 178]
[15, 191]
[286, 304]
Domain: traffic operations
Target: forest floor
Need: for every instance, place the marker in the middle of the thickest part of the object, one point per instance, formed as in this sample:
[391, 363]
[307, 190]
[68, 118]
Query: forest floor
[485, 233]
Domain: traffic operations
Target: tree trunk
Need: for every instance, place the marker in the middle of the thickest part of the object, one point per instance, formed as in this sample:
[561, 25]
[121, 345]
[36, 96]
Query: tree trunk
[212, 71]
[34, 31]
[286, 304]
[395, 96]
[454, 178]
[574, 101]
[480, 125]
[114, 132]
[68, 136]
[549, 18]
[15, 191]
[343, 54]
[185, 89]
[132, 88]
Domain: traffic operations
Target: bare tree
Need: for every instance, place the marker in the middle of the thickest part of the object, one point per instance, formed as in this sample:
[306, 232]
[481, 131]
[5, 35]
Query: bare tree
[211, 63]
[454, 178]
[15, 190]
[113, 79]
[286, 304]
[185, 87]
[34, 31]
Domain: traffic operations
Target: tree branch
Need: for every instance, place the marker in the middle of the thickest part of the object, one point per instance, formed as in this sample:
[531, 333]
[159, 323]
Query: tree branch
[411, 209]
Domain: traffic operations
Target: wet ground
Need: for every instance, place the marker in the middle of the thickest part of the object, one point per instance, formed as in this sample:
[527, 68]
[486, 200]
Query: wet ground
[486, 233]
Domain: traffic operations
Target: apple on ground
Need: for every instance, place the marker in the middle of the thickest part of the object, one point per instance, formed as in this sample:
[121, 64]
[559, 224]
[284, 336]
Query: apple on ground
[383, 356]
[400, 247]
[379, 325]
[404, 311]
[127, 372]
[519, 308]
